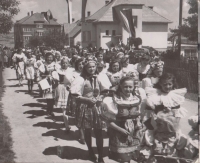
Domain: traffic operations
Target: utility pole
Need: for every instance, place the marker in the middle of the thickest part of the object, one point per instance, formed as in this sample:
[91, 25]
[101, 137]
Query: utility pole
[180, 24]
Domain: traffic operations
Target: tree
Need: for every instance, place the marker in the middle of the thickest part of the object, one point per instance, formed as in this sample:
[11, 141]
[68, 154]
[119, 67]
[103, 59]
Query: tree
[35, 41]
[190, 27]
[54, 39]
[8, 9]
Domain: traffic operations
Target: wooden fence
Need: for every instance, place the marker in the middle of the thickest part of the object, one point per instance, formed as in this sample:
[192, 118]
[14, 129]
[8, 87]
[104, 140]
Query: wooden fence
[186, 73]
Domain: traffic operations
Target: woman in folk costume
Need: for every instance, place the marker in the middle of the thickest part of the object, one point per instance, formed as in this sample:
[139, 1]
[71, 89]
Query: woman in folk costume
[30, 71]
[155, 72]
[100, 59]
[61, 92]
[19, 59]
[143, 66]
[126, 67]
[114, 72]
[79, 63]
[48, 83]
[163, 142]
[88, 87]
[58, 57]
[166, 97]
[71, 108]
[122, 113]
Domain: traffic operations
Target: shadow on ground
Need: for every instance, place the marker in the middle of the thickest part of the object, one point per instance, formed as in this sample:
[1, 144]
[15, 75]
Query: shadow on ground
[72, 153]
[35, 113]
[35, 105]
[50, 125]
[61, 134]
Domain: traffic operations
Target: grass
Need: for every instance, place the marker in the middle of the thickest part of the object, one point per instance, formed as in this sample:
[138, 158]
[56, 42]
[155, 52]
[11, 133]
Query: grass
[6, 153]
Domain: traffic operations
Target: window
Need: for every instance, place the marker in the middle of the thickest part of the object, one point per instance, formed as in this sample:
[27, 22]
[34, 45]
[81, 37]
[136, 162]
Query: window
[89, 36]
[39, 33]
[26, 38]
[39, 26]
[135, 20]
[190, 53]
[26, 29]
[113, 32]
[107, 32]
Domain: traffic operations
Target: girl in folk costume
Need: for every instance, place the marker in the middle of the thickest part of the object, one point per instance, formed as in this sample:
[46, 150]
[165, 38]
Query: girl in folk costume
[166, 97]
[38, 63]
[61, 92]
[47, 84]
[122, 113]
[163, 142]
[88, 88]
[155, 72]
[114, 72]
[30, 71]
[19, 59]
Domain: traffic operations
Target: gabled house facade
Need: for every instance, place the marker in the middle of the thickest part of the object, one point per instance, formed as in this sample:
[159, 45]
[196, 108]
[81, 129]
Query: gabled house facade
[34, 24]
[106, 27]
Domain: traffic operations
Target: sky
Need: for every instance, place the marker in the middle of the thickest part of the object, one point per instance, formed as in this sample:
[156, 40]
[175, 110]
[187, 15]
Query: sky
[167, 8]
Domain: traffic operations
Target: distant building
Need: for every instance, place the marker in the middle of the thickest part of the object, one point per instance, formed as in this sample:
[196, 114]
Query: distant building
[106, 27]
[189, 49]
[34, 24]
[73, 33]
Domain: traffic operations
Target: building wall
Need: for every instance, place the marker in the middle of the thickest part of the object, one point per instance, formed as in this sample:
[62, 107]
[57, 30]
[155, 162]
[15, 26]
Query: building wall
[104, 40]
[88, 27]
[33, 31]
[78, 39]
[155, 35]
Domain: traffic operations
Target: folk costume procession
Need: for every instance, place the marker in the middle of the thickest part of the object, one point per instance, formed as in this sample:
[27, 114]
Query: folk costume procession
[123, 91]
[131, 97]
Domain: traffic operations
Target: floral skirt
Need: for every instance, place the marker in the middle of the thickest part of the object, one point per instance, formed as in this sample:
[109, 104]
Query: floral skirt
[87, 116]
[122, 147]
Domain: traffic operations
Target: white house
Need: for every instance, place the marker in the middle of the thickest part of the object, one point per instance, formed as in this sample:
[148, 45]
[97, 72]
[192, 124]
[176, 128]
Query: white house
[73, 32]
[106, 26]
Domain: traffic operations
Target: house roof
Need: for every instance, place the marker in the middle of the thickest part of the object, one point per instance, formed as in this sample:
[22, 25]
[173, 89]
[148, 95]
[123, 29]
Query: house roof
[37, 17]
[72, 29]
[105, 14]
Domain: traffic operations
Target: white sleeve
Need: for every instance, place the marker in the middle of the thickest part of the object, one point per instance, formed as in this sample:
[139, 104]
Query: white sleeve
[77, 86]
[55, 75]
[68, 79]
[14, 57]
[146, 82]
[104, 81]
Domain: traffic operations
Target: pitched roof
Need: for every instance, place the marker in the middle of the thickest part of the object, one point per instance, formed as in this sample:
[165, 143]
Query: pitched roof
[68, 27]
[105, 14]
[37, 17]
[72, 29]
[75, 31]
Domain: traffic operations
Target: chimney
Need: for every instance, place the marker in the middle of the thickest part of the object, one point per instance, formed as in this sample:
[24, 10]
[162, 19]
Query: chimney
[31, 13]
[88, 13]
[151, 7]
[28, 14]
[73, 19]
[106, 2]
